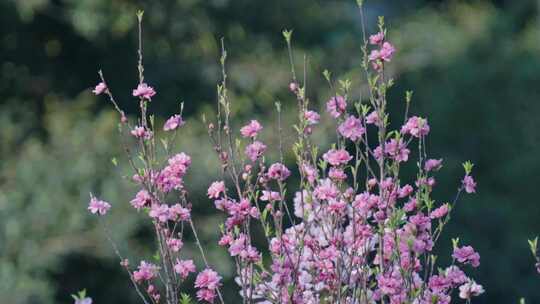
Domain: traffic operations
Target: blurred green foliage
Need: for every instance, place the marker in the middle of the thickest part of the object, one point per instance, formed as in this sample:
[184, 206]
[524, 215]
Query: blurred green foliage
[474, 67]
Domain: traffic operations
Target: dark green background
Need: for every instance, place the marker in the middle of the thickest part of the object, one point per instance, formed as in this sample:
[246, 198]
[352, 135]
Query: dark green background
[474, 67]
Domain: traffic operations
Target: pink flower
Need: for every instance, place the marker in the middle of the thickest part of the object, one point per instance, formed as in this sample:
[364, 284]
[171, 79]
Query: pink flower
[469, 184]
[376, 38]
[433, 164]
[175, 244]
[145, 91]
[373, 118]
[470, 289]
[255, 150]
[85, 300]
[416, 126]
[439, 212]
[337, 174]
[337, 206]
[278, 171]
[351, 128]
[142, 199]
[251, 129]
[326, 190]
[312, 117]
[225, 240]
[215, 189]
[387, 51]
[97, 206]
[208, 295]
[270, 196]
[177, 212]
[141, 132]
[374, 55]
[145, 272]
[397, 150]
[184, 267]
[405, 191]
[160, 212]
[173, 123]
[208, 279]
[467, 255]
[336, 106]
[337, 157]
[100, 88]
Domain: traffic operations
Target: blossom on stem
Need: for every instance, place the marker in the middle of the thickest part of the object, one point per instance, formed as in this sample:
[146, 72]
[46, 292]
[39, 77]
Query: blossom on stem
[278, 171]
[145, 91]
[469, 184]
[255, 150]
[141, 132]
[337, 157]
[467, 255]
[100, 88]
[352, 128]
[173, 123]
[251, 129]
[470, 289]
[145, 272]
[433, 164]
[416, 126]
[336, 106]
[215, 189]
[97, 206]
[376, 38]
[184, 267]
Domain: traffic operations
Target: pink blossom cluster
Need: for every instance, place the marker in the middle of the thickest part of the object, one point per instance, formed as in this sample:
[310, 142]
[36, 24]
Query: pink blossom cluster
[354, 229]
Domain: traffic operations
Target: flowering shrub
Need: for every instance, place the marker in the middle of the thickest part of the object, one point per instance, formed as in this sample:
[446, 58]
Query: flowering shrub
[356, 231]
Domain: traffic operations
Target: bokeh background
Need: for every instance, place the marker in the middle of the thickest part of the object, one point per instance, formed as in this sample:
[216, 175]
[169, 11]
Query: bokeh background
[474, 67]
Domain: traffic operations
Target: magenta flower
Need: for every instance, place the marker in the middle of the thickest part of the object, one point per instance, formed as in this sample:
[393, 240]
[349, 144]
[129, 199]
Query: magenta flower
[173, 123]
[175, 244]
[469, 184]
[387, 51]
[215, 189]
[312, 117]
[416, 126]
[184, 267]
[100, 88]
[467, 255]
[326, 190]
[433, 164]
[376, 38]
[278, 171]
[336, 106]
[373, 118]
[208, 279]
[160, 212]
[337, 157]
[142, 199]
[145, 272]
[251, 129]
[255, 150]
[177, 212]
[97, 206]
[397, 150]
[145, 91]
[141, 132]
[270, 196]
[470, 289]
[207, 295]
[439, 212]
[352, 128]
